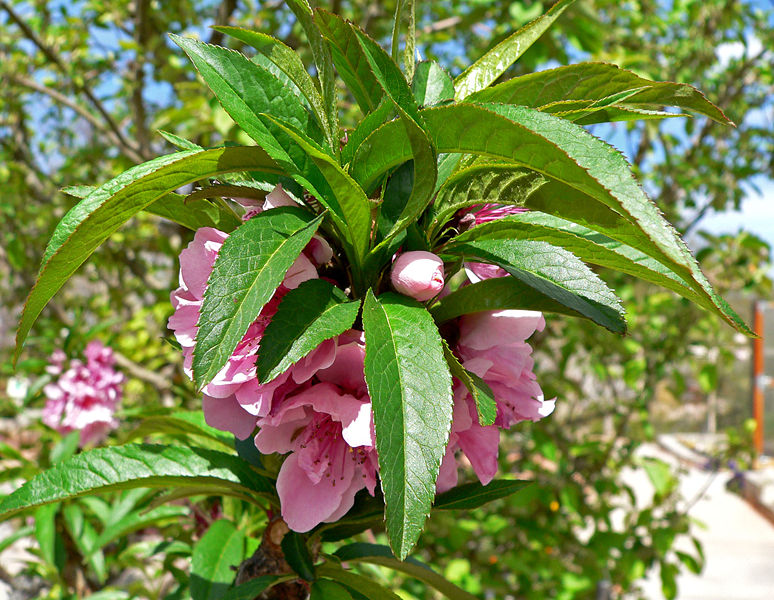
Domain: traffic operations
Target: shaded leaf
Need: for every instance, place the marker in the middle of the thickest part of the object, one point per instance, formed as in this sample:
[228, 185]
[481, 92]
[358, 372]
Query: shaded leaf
[363, 585]
[473, 495]
[486, 406]
[297, 555]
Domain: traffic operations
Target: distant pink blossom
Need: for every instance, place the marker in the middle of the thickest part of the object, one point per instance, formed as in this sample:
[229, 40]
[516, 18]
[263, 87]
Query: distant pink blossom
[418, 274]
[85, 395]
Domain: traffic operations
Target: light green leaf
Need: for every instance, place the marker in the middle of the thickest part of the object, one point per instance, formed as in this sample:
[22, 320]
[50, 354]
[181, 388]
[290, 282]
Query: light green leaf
[431, 84]
[363, 585]
[250, 265]
[288, 61]
[214, 558]
[482, 73]
[594, 172]
[136, 466]
[473, 495]
[383, 112]
[307, 316]
[184, 424]
[93, 220]
[349, 60]
[582, 84]
[555, 272]
[482, 394]
[179, 142]
[410, 388]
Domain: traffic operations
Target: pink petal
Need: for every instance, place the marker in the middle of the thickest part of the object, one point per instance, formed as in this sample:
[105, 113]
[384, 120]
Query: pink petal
[227, 415]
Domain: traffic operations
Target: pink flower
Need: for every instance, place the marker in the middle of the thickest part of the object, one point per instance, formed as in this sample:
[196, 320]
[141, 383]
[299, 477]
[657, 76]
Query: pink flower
[485, 213]
[85, 396]
[328, 430]
[418, 274]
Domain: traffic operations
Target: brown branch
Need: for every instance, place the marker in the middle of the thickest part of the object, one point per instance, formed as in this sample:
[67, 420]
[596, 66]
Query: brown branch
[138, 73]
[225, 10]
[137, 371]
[53, 58]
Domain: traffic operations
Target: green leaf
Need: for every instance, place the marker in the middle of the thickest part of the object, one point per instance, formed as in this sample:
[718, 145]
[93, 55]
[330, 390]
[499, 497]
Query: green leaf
[246, 90]
[481, 184]
[250, 265]
[335, 189]
[288, 61]
[486, 406]
[590, 246]
[499, 293]
[178, 209]
[473, 495]
[297, 555]
[49, 541]
[410, 388]
[364, 585]
[350, 61]
[65, 448]
[178, 142]
[409, 52]
[214, 558]
[184, 424]
[377, 554]
[431, 84]
[583, 84]
[94, 219]
[322, 60]
[591, 171]
[252, 589]
[135, 466]
[366, 127]
[307, 316]
[482, 73]
[555, 272]
[324, 589]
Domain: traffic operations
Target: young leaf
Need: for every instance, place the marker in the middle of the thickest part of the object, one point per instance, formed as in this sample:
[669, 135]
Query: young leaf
[363, 585]
[288, 61]
[589, 168]
[136, 466]
[306, 317]
[482, 394]
[410, 388]
[297, 555]
[214, 558]
[553, 271]
[377, 554]
[383, 112]
[482, 73]
[473, 495]
[322, 60]
[246, 90]
[250, 265]
[431, 84]
[349, 60]
[92, 221]
[554, 90]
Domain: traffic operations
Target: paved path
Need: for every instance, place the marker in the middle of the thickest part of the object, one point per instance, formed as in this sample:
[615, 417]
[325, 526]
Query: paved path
[738, 544]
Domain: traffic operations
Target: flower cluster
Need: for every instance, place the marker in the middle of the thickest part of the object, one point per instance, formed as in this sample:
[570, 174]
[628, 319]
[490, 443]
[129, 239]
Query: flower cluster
[84, 397]
[318, 412]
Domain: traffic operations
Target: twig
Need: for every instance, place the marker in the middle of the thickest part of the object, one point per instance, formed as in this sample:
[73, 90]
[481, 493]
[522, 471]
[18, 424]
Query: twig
[140, 372]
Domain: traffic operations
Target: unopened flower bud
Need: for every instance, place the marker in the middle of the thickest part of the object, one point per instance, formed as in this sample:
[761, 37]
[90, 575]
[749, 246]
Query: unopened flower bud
[418, 274]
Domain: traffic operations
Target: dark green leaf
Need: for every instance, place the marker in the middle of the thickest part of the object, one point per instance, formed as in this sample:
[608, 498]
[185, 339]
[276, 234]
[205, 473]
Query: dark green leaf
[597, 174]
[252, 589]
[410, 388]
[324, 589]
[365, 586]
[431, 84]
[349, 60]
[581, 85]
[377, 554]
[482, 73]
[473, 495]
[214, 558]
[297, 555]
[135, 466]
[306, 317]
[557, 273]
[94, 219]
[250, 265]
[246, 90]
[486, 406]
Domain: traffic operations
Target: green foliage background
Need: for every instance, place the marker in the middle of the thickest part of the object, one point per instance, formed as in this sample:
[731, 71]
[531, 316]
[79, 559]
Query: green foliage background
[86, 86]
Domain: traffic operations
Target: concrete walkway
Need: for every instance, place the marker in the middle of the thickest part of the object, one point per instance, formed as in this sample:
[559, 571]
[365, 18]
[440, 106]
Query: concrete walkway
[738, 542]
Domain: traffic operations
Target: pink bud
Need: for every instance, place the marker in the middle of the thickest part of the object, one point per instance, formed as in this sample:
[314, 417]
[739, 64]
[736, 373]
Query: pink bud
[418, 274]
[319, 250]
[278, 197]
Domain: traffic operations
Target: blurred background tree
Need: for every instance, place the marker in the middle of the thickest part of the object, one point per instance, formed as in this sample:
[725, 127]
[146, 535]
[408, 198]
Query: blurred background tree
[86, 85]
